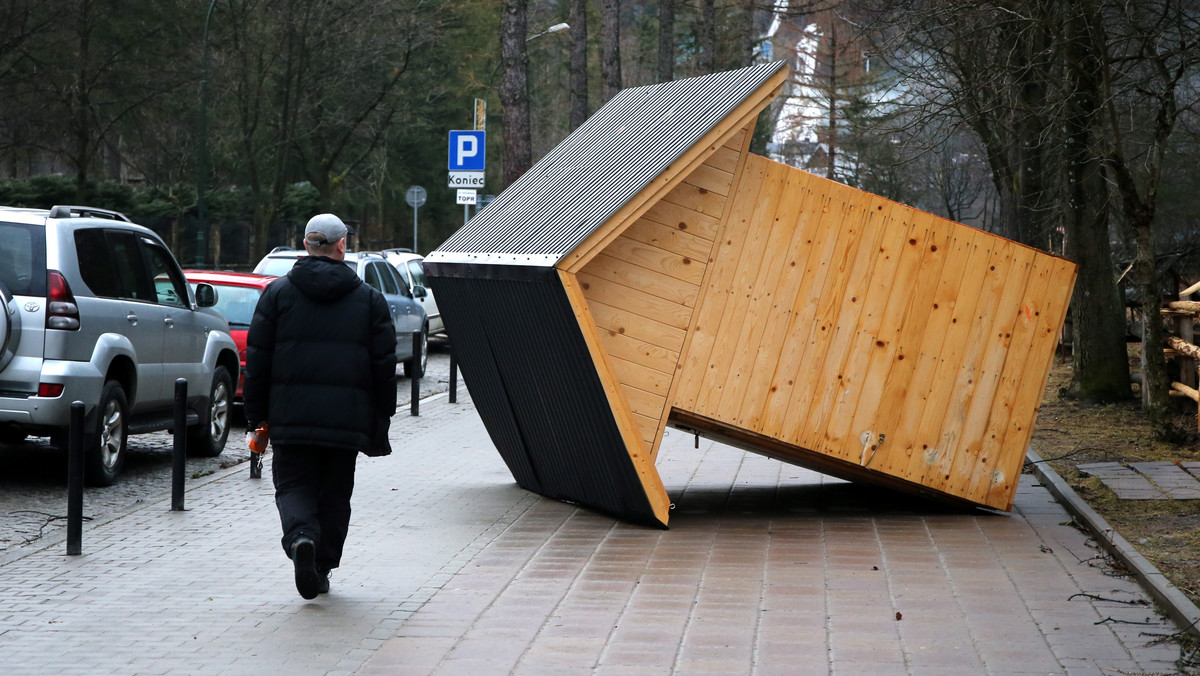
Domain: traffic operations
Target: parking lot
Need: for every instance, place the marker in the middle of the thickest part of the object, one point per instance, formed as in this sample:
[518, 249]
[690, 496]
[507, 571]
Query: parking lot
[33, 483]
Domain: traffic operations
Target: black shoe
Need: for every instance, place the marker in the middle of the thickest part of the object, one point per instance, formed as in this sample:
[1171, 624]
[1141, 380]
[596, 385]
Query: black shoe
[304, 558]
[323, 584]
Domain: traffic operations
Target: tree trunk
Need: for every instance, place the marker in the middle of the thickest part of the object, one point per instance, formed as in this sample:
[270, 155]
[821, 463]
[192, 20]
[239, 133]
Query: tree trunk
[1156, 382]
[750, 37]
[610, 48]
[707, 31]
[514, 98]
[666, 40]
[579, 70]
[1101, 365]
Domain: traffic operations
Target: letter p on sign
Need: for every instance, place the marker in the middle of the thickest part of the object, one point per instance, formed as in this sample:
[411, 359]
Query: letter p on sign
[468, 151]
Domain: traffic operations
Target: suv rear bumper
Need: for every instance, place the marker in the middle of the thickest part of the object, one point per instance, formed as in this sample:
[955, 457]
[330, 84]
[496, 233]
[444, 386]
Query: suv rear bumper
[82, 381]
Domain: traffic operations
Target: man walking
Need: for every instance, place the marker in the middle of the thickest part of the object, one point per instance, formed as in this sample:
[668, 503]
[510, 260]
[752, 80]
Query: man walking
[321, 371]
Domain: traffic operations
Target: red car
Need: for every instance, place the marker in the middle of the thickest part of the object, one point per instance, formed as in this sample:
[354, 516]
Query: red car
[237, 295]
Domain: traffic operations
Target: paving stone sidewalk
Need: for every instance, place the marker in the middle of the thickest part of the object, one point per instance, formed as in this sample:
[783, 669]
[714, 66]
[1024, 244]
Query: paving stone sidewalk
[450, 568]
[1148, 480]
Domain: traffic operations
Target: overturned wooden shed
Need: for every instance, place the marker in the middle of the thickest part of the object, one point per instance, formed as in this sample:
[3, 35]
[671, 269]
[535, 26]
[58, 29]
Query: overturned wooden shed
[650, 271]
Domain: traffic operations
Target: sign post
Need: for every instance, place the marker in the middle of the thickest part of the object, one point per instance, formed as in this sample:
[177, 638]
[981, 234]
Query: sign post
[415, 198]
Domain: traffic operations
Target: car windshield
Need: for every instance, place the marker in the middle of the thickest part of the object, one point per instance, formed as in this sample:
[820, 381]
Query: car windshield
[237, 303]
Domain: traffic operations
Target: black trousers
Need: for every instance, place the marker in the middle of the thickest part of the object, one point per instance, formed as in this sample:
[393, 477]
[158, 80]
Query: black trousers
[313, 485]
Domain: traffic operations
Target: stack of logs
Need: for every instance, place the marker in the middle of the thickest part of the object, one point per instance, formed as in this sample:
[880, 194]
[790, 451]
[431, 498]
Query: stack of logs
[1183, 344]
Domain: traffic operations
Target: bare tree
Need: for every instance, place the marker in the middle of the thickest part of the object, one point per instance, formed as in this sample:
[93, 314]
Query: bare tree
[91, 66]
[1150, 51]
[1098, 343]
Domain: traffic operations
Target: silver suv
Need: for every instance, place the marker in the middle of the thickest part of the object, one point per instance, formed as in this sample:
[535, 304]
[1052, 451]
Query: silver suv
[95, 309]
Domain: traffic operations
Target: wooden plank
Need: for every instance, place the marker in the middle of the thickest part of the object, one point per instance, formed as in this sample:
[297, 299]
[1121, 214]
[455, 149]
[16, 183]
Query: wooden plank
[648, 427]
[905, 321]
[902, 414]
[644, 403]
[738, 289]
[970, 464]
[784, 283]
[725, 159]
[658, 260]
[972, 380]
[652, 282]
[641, 377]
[631, 434]
[731, 125]
[638, 351]
[670, 239]
[897, 252]
[749, 364]
[610, 318]
[710, 179]
[803, 313]
[835, 380]
[700, 199]
[707, 317]
[739, 140]
[1016, 365]
[833, 279]
[925, 437]
[634, 300]
[1029, 395]
[683, 218]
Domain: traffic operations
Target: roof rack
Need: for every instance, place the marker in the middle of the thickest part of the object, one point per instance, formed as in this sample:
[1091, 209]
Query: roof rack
[283, 248]
[65, 211]
[398, 250]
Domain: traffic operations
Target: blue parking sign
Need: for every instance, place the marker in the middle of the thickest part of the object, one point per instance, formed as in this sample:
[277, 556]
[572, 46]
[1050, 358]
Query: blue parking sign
[468, 150]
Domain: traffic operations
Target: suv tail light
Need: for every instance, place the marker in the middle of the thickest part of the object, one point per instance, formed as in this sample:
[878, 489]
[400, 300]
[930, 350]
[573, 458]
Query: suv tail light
[61, 311]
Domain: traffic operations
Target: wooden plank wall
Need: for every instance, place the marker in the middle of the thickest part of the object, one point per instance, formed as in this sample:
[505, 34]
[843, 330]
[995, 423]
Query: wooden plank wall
[850, 326]
[642, 288]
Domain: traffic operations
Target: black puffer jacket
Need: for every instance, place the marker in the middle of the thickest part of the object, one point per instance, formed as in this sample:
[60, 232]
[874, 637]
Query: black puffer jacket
[321, 357]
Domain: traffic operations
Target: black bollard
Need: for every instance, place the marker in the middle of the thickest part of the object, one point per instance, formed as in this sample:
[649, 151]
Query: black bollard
[75, 481]
[416, 380]
[453, 376]
[179, 452]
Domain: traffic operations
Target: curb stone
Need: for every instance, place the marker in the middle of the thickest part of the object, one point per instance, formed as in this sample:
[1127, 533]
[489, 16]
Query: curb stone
[1176, 605]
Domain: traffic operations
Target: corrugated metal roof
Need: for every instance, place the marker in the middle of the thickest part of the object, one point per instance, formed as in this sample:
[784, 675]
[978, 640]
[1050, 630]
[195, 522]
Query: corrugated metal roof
[608, 160]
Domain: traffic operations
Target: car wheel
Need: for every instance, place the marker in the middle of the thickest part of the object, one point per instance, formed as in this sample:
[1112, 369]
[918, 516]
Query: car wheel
[209, 440]
[104, 452]
[414, 367]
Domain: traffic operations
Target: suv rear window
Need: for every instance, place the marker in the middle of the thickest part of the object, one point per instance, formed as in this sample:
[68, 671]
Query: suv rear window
[23, 259]
[111, 264]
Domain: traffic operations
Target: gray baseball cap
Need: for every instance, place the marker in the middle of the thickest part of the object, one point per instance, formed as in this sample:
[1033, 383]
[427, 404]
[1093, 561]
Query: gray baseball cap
[324, 229]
